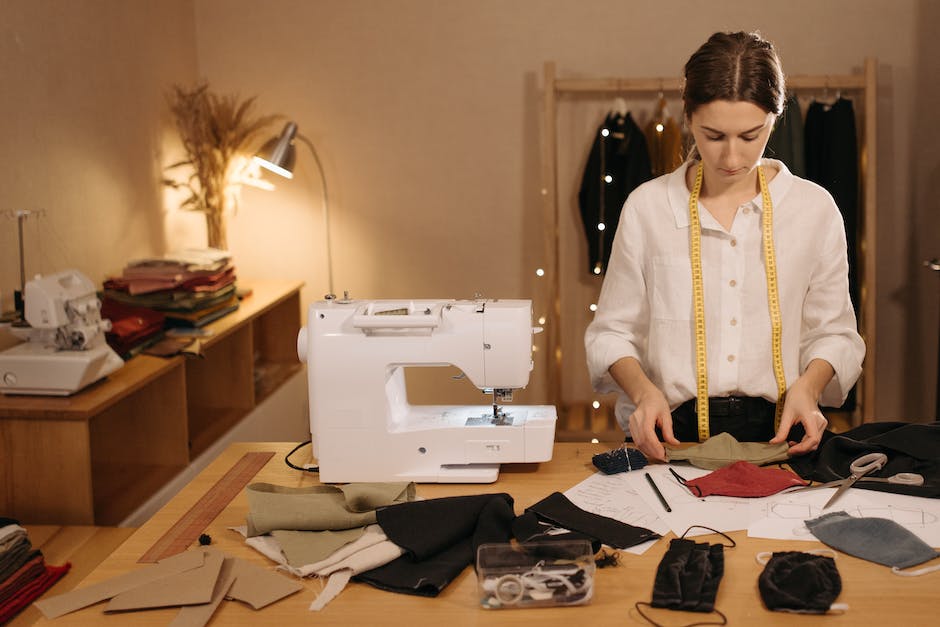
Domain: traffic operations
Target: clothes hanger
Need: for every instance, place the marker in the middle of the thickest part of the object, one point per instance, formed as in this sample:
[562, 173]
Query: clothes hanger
[619, 107]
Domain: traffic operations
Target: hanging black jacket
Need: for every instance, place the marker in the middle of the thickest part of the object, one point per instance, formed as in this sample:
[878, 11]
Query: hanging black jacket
[623, 156]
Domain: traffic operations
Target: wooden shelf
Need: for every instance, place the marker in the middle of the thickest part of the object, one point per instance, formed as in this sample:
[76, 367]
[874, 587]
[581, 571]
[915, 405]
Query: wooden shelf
[94, 457]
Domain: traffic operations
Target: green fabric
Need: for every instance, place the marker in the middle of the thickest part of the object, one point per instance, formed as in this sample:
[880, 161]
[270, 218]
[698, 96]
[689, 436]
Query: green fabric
[320, 508]
[721, 450]
[309, 547]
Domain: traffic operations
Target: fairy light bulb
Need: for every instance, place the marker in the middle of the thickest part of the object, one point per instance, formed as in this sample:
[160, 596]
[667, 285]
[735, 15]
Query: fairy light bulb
[605, 132]
[541, 319]
[596, 404]
[660, 128]
[608, 178]
[601, 226]
[593, 307]
[539, 272]
[597, 269]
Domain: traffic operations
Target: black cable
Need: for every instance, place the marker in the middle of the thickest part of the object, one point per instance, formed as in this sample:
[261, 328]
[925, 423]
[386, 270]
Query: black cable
[301, 468]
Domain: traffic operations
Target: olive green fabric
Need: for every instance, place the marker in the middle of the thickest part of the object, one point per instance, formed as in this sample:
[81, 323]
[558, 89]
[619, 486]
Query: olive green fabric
[322, 507]
[723, 449]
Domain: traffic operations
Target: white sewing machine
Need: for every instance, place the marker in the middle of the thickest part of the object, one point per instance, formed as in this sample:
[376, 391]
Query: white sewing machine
[362, 425]
[65, 348]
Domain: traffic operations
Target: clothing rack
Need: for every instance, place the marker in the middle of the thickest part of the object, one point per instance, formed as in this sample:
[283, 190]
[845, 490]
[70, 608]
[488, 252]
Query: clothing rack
[862, 85]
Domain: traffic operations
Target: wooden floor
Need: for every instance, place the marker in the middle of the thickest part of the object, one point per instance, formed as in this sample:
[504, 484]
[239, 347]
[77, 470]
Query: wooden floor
[84, 547]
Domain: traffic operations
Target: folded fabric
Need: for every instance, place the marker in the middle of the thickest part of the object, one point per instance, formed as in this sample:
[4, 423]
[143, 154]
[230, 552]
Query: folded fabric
[322, 507]
[910, 448]
[440, 538]
[559, 510]
[744, 479]
[307, 547]
[31, 591]
[723, 449]
[23, 575]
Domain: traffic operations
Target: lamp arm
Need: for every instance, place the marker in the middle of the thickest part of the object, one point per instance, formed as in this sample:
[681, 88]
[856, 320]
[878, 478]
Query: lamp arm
[326, 209]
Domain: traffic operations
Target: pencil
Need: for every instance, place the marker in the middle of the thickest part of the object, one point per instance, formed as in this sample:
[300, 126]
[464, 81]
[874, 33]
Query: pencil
[659, 495]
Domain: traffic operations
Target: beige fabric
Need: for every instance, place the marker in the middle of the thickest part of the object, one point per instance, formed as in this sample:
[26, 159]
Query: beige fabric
[320, 508]
[723, 449]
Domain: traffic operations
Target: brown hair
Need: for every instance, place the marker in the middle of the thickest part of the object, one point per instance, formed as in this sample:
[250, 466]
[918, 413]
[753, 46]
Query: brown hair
[737, 67]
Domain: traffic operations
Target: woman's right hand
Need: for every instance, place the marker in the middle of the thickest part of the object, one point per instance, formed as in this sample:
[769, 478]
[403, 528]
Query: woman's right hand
[652, 410]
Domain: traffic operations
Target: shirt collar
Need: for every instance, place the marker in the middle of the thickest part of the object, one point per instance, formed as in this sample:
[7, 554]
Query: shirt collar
[679, 193]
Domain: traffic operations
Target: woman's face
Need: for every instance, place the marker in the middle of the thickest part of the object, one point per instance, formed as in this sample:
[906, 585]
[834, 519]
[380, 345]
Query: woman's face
[730, 137]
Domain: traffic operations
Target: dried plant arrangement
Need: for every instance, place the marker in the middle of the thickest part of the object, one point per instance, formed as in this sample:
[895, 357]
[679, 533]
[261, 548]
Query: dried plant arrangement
[216, 131]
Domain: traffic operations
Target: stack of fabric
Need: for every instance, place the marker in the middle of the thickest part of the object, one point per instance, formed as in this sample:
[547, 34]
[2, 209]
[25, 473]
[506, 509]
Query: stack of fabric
[24, 574]
[190, 287]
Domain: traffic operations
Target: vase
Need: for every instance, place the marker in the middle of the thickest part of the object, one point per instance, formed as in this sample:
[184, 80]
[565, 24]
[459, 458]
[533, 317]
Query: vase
[215, 230]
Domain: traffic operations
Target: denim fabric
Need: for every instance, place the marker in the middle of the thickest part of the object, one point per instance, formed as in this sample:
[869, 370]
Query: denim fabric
[878, 540]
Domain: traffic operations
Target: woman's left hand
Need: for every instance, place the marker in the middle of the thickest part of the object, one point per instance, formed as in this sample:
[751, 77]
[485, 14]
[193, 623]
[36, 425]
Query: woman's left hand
[800, 407]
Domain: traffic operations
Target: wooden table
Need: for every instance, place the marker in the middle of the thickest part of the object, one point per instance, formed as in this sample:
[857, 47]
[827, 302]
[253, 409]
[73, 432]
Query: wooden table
[875, 596]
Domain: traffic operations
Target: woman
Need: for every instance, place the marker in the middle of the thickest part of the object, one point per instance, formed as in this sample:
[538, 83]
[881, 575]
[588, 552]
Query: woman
[704, 328]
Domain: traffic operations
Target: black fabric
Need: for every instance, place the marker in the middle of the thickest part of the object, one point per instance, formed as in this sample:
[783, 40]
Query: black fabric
[747, 418]
[624, 156]
[910, 447]
[688, 575]
[440, 537]
[528, 528]
[794, 581]
[832, 161]
[4, 521]
[556, 508]
[619, 460]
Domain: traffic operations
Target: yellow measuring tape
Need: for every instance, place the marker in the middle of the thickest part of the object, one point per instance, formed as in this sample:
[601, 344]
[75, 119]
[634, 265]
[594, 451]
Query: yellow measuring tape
[698, 300]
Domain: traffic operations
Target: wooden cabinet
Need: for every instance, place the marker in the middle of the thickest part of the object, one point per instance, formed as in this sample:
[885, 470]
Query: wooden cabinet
[95, 456]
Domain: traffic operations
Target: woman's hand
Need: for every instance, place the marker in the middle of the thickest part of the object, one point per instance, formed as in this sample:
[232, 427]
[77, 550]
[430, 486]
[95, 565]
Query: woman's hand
[652, 410]
[800, 407]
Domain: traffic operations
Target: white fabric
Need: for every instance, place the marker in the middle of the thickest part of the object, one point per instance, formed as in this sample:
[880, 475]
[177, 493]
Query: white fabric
[645, 306]
[371, 550]
[335, 585]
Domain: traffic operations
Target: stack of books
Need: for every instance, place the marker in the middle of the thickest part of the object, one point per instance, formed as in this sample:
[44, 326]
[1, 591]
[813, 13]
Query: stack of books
[24, 574]
[190, 287]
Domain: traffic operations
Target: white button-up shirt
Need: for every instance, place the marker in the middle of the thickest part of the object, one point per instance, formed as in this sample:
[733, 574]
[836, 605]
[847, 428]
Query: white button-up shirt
[645, 307]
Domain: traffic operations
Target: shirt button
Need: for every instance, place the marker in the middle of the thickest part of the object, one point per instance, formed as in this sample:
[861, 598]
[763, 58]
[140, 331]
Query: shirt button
[734, 242]
[745, 210]
[732, 282]
[734, 322]
[730, 357]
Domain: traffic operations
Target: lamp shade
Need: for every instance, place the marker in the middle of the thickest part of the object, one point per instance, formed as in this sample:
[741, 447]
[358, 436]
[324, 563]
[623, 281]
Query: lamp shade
[278, 154]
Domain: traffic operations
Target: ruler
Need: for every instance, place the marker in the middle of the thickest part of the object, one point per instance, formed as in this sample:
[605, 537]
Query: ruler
[190, 525]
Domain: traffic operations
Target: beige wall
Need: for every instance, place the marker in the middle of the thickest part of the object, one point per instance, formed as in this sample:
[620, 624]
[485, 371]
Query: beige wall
[84, 129]
[426, 117]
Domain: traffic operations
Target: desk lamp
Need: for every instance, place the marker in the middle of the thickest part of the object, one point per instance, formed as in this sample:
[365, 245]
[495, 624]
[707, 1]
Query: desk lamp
[278, 155]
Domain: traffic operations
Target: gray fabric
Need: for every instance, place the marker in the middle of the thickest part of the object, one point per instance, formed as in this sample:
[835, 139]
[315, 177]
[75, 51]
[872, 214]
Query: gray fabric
[320, 508]
[878, 540]
[723, 449]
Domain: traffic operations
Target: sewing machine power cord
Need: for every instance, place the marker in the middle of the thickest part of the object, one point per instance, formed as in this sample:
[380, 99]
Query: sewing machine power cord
[294, 466]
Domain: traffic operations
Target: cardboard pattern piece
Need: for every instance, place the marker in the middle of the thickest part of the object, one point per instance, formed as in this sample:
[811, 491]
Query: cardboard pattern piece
[192, 587]
[197, 580]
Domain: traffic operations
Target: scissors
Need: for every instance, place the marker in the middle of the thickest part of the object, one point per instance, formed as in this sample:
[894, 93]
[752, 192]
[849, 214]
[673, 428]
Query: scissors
[863, 466]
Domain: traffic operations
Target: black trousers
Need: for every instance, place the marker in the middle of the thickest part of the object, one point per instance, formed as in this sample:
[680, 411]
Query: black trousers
[747, 418]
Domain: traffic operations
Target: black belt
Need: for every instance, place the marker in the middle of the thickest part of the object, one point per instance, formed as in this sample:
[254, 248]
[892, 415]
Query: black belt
[747, 418]
[732, 405]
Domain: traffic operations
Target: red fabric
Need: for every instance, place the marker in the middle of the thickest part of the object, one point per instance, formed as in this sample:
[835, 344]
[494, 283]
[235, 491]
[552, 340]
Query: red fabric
[744, 479]
[23, 575]
[32, 591]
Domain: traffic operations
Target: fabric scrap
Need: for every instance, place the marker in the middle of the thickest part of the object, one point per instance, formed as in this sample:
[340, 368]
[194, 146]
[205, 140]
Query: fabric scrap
[723, 449]
[744, 479]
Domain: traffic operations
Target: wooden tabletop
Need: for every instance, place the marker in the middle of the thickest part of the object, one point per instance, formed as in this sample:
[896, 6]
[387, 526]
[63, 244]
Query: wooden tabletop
[874, 595]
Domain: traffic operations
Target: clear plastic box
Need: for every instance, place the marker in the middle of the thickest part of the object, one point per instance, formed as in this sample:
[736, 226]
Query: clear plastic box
[536, 574]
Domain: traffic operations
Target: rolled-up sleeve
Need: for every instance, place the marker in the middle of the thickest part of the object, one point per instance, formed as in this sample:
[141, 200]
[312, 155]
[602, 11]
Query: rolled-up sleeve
[829, 327]
[621, 322]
